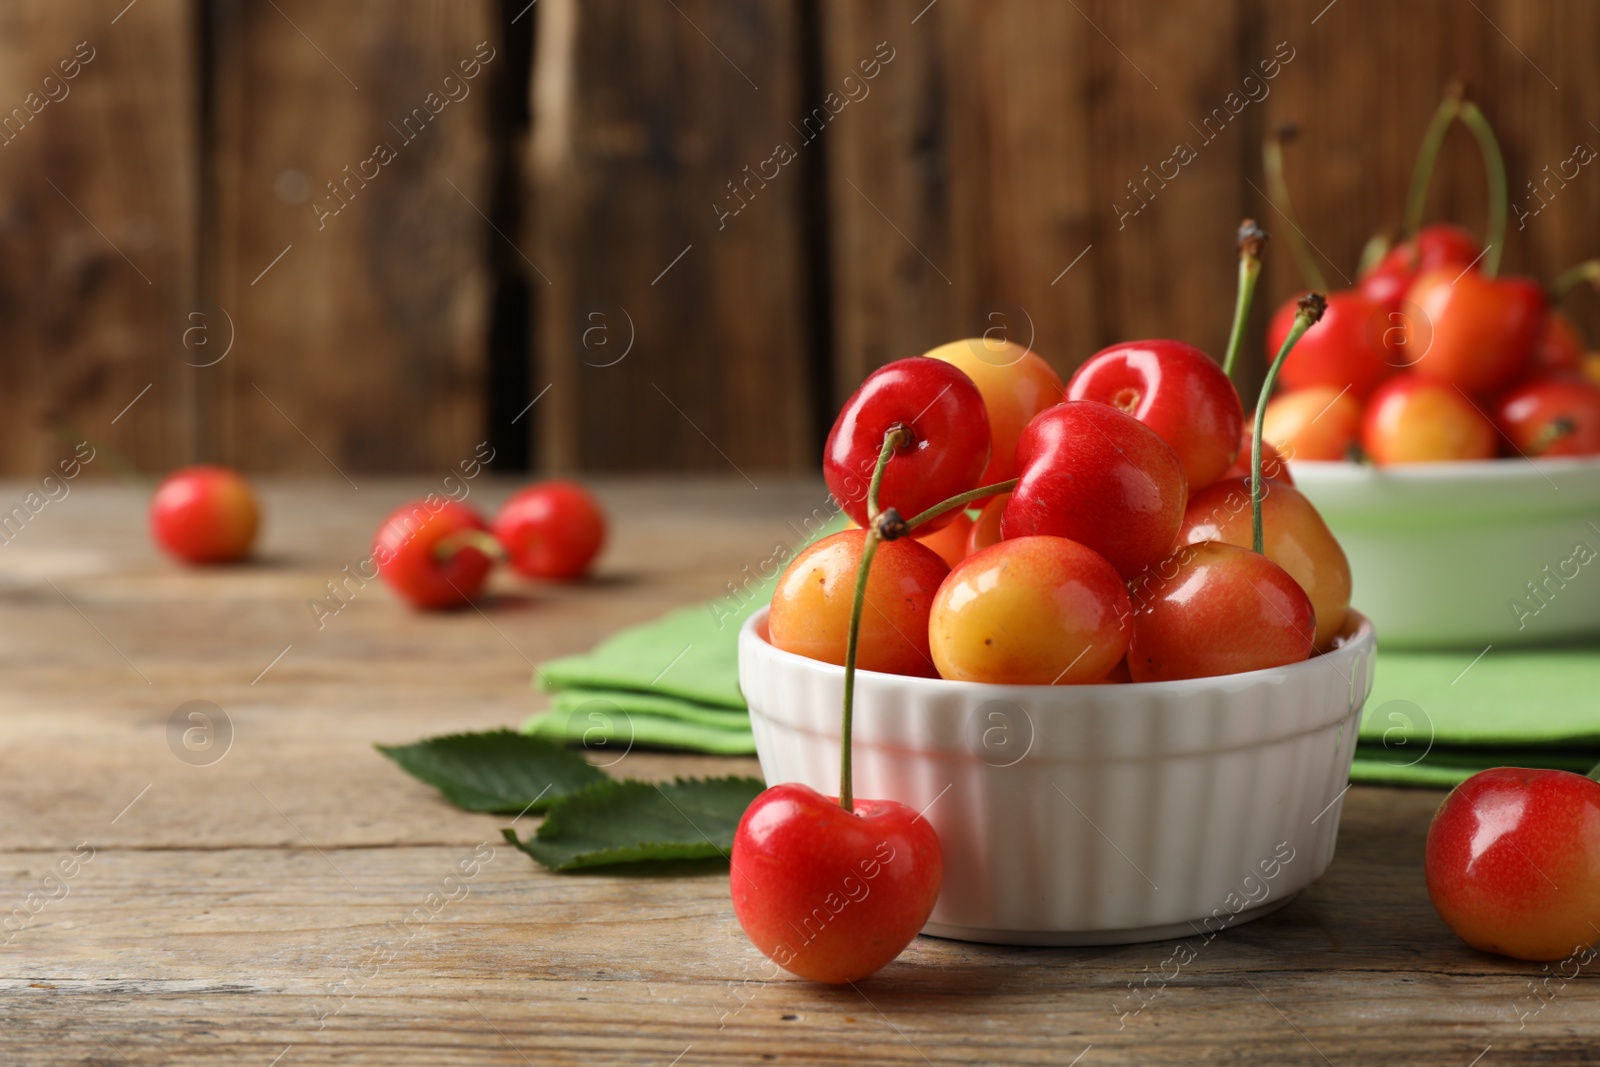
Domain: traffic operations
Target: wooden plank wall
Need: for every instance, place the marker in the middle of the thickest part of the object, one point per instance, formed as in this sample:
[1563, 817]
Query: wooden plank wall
[687, 228]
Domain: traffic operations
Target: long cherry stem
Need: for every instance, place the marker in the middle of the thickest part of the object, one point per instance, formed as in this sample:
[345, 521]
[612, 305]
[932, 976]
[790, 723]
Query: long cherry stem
[1569, 279]
[1278, 188]
[895, 438]
[1311, 307]
[1252, 239]
[1494, 166]
[960, 498]
[1427, 156]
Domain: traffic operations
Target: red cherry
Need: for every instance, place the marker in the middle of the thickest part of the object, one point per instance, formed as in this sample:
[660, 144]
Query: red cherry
[1272, 464]
[1099, 477]
[551, 530]
[828, 894]
[946, 456]
[1560, 347]
[1552, 417]
[1513, 862]
[1214, 608]
[424, 568]
[1176, 390]
[1414, 419]
[1346, 348]
[205, 514]
[1437, 246]
[1482, 330]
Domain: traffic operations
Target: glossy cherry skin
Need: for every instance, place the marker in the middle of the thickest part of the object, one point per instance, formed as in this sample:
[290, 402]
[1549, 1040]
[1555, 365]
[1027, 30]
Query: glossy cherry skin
[1437, 246]
[1415, 419]
[425, 573]
[551, 530]
[1295, 538]
[1354, 345]
[811, 603]
[205, 514]
[1558, 416]
[828, 894]
[1482, 331]
[949, 543]
[1102, 478]
[948, 453]
[1016, 384]
[1513, 862]
[986, 527]
[1176, 390]
[1214, 608]
[1560, 346]
[1030, 611]
[1273, 464]
[1316, 423]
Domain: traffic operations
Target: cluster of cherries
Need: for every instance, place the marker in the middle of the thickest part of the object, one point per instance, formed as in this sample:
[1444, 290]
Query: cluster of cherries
[1431, 357]
[435, 552]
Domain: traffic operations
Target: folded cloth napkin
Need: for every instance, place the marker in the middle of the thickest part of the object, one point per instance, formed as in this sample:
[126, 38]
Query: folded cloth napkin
[1434, 718]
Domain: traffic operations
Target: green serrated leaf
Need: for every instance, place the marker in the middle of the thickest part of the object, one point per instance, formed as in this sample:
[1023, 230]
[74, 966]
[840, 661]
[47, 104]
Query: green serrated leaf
[498, 771]
[631, 821]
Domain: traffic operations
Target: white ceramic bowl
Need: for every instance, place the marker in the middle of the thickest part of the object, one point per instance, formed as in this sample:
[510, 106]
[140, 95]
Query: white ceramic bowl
[1468, 554]
[1085, 815]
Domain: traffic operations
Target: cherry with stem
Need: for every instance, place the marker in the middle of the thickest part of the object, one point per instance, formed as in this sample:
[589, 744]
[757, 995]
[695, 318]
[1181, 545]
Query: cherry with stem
[1310, 309]
[1252, 240]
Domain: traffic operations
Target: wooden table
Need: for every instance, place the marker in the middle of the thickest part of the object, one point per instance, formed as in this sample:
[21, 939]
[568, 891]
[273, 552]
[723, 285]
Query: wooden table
[254, 910]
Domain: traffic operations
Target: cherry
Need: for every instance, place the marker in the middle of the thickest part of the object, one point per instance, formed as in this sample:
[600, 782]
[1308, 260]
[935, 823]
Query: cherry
[434, 553]
[986, 527]
[1272, 461]
[1295, 537]
[1483, 330]
[1176, 390]
[1560, 347]
[949, 543]
[946, 453]
[551, 530]
[1355, 345]
[1415, 419]
[1214, 608]
[811, 604]
[1016, 384]
[1030, 611]
[1438, 246]
[1513, 862]
[1100, 477]
[1555, 416]
[832, 894]
[1316, 423]
[205, 514]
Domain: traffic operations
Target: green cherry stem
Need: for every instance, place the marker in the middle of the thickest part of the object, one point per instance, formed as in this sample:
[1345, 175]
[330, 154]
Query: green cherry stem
[1594, 772]
[1311, 307]
[959, 499]
[1278, 190]
[1252, 239]
[895, 438]
[1427, 156]
[482, 540]
[1494, 165]
[1572, 277]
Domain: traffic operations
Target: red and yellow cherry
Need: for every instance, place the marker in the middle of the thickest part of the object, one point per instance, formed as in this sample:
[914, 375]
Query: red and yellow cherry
[1176, 390]
[1513, 862]
[1482, 330]
[1098, 476]
[948, 448]
[1416, 419]
[1557, 416]
[1273, 463]
[1030, 611]
[1211, 609]
[949, 543]
[551, 530]
[1437, 246]
[435, 553]
[1353, 345]
[811, 603]
[1295, 538]
[829, 894]
[986, 527]
[1016, 384]
[1316, 423]
[205, 514]
[1560, 347]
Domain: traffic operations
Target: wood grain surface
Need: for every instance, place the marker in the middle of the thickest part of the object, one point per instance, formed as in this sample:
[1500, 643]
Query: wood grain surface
[286, 902]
